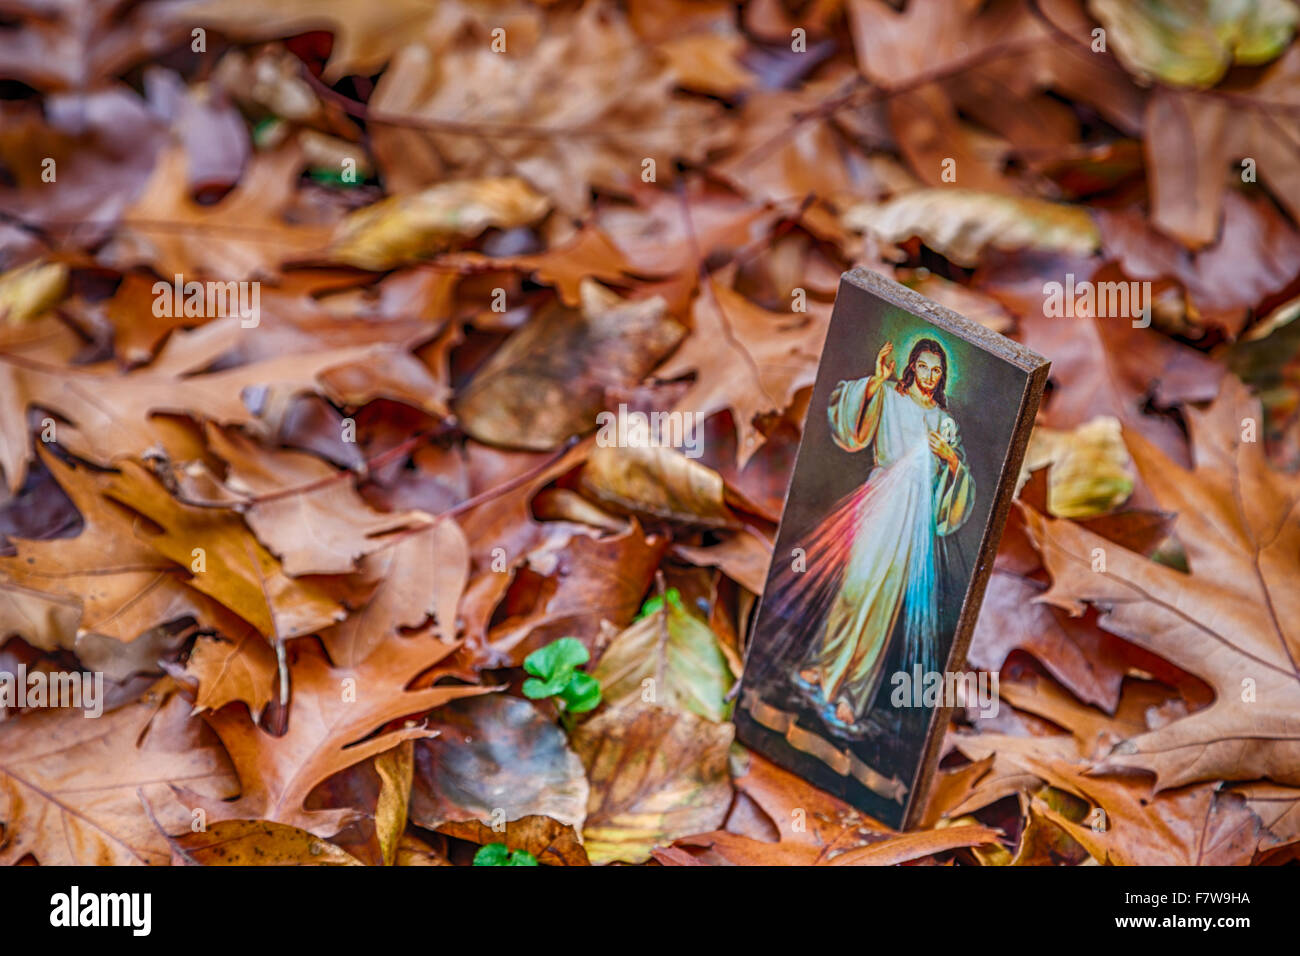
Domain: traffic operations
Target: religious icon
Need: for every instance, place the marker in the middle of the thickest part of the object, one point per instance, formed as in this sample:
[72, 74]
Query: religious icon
[916, 430]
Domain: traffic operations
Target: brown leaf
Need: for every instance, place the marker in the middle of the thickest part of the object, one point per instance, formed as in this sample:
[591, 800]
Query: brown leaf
[233, 670]
[626, 109]
[548, 381]
[396, 769]
[746, 360]
[227, 562]
[501, 772]
[655, 774]
[105, 581]
[1194, 826]
[322, 529]
[333, 714]
[1230, 621]
[423, 574]
[244, 236]
[658, 482]
[589, 581]
[1085, 351]
[73, 787]
[256, 843]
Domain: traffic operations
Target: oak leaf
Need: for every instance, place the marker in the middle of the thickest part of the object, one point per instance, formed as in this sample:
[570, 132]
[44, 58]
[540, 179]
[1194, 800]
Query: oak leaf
[1231, 621]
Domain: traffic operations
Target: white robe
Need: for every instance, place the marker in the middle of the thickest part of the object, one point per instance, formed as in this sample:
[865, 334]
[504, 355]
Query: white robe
[888, 527]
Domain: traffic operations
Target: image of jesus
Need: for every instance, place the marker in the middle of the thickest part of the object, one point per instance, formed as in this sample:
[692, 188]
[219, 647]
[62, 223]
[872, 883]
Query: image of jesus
[874, 563]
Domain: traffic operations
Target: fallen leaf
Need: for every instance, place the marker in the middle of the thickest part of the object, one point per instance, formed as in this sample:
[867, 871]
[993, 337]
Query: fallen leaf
[746, 360]
[548, 381]
[256, 843]
[670, 658]
[500, 771]
[334, 712]
[963, 225]
[655, 774]
[74, 787]
[403, 229]
[1230, 621]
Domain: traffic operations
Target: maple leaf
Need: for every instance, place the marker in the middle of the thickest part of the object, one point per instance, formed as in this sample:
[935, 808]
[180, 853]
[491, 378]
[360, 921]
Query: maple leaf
[746, 360]
[333, 714]
[1231, 621]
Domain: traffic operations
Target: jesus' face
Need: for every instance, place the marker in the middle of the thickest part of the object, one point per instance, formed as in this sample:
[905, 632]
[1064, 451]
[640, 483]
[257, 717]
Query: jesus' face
[929, 370]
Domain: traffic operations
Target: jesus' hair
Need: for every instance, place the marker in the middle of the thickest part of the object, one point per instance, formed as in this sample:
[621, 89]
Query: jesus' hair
[909, 373]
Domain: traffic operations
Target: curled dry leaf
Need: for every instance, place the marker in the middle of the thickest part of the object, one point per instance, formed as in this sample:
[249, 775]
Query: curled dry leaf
[396, 770]
[657, 482]
[963, 224]
[26, 292]
[403, 229]
[1089, 470]
[1194, 44]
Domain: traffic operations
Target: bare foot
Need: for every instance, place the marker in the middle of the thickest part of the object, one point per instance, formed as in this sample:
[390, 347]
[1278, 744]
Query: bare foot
[810, 677]
[843, 714]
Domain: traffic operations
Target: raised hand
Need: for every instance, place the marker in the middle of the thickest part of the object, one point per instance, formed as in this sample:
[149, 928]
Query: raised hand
[885, 364]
